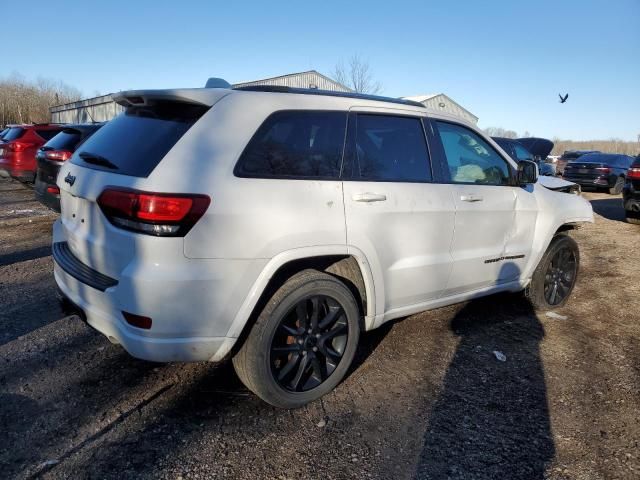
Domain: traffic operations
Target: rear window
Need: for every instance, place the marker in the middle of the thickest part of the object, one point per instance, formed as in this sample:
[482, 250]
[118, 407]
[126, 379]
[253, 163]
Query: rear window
[296, 144]
[48, 134]
[13, 134]
[68, 139]
[137, 140]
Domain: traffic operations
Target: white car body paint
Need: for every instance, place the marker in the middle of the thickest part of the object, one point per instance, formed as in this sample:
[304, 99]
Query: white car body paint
[423, 246]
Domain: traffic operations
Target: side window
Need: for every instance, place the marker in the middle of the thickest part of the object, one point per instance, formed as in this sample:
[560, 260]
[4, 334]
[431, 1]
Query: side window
[470, 158]
[296, 144]
[522, 153]
[390, 148]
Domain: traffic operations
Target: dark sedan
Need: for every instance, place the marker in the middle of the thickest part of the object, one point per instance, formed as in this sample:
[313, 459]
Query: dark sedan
[631, 193]
[599, 170]
[51, 156]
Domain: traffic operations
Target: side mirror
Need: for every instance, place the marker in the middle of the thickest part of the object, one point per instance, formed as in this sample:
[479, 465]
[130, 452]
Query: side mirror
[527, 172]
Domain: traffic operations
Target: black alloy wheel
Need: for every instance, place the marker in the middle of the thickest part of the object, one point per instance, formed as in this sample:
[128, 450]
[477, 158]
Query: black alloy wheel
[560, 276]
[309, 343]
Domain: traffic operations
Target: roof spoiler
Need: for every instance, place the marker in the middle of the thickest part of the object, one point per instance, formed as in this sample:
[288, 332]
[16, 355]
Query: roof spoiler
[145, 98]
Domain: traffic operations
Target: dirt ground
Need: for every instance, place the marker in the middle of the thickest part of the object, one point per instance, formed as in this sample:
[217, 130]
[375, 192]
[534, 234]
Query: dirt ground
[426, 398]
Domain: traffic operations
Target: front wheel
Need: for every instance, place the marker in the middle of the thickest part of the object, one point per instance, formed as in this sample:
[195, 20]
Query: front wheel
[303, 341]
[631, 219]
[556, 274]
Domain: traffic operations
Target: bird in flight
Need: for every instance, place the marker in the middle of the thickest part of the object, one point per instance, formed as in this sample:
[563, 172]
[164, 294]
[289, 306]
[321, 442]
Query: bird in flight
[563, 99]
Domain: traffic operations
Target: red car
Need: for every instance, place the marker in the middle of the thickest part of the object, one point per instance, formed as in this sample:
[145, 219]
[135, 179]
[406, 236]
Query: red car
[19, 147]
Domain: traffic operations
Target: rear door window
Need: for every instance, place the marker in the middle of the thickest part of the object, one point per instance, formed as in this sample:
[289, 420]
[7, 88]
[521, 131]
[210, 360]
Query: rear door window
[14, 133]
[137, 140]
[296, 144]
[390, 149]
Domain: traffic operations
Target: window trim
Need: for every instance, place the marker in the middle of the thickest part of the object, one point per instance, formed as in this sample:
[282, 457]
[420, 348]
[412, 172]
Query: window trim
[350, 155]
[444, 164]
[236, 169]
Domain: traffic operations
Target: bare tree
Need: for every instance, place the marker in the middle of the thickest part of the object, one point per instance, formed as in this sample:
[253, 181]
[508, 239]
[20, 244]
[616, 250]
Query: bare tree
[22, 101]
[357, 75]
[500, 132]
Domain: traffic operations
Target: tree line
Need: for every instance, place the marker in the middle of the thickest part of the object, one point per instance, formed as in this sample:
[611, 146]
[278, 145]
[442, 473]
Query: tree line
[24, 101]
[612, 145]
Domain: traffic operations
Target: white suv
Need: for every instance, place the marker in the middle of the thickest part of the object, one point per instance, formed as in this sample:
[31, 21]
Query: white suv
[273, 225]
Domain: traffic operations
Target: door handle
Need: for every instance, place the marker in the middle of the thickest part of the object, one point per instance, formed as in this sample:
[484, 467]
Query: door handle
[471, 198]
[369, 197]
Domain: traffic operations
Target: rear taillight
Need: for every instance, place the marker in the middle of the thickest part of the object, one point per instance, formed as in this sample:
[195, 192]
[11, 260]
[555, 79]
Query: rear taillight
[603, 169]
[57, 155]
[18, 146]
[53, 190]
[161, 214]
[634, 173]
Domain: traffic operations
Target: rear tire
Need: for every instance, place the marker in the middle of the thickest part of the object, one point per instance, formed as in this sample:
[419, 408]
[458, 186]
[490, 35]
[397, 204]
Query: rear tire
[617, 188]
[303, 341]
[556, 274]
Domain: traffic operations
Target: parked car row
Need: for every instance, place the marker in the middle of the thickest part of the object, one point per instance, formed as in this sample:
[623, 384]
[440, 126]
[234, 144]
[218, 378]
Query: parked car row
[35, 152]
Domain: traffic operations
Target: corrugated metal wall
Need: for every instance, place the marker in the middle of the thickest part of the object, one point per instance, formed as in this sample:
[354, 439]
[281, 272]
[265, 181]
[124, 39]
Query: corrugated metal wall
[442, 103]
[300, 80]
[98, 109]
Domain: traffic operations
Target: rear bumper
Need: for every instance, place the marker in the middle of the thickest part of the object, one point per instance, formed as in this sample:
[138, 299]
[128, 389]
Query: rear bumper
[600, 181]
[192, 303]
[83, 300]
[18, 172]
[49, 199]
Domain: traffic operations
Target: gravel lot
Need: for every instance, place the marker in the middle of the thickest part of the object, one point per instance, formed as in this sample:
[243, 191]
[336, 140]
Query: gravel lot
[426, 399]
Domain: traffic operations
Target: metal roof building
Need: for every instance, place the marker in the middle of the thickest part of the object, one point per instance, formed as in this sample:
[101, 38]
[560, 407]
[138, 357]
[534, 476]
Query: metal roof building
[439, 102]
[103, 108]
[309, 79]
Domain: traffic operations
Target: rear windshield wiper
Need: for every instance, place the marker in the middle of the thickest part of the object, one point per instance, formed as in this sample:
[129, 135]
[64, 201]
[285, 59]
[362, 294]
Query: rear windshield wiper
[97, 160]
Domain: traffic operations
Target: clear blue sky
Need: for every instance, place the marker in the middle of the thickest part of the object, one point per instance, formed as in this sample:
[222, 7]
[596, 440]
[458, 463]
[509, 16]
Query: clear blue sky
[506, 61]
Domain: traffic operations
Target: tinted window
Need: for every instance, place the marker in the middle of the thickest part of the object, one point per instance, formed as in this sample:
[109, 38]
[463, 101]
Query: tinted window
[624, 161]
[390, 148]
[65, 140]
[470, 158]
[13, 134]
[135, 141]
[522, 153]
[47, 134]
[296, 144]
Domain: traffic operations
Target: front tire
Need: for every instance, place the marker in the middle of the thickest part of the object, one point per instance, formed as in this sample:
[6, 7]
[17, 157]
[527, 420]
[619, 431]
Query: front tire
[556, 274]
[302, 342]
[632, 220]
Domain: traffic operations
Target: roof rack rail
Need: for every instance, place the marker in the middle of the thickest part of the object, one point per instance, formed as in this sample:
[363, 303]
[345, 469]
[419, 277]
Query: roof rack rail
[329, 93]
